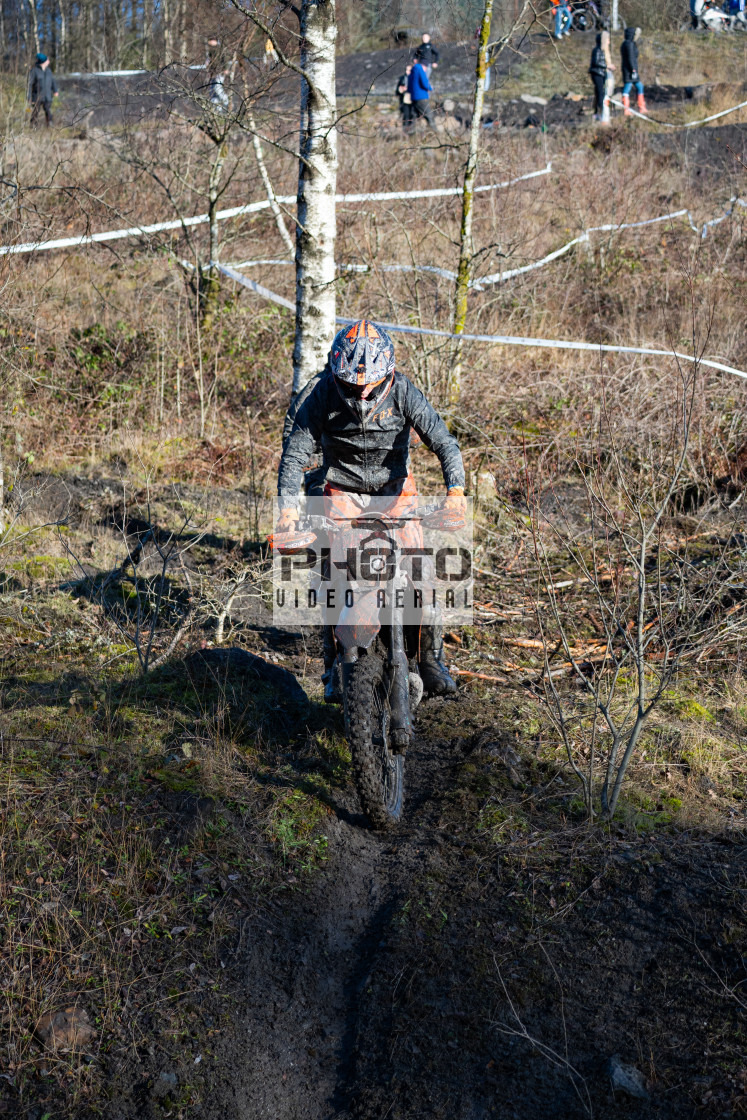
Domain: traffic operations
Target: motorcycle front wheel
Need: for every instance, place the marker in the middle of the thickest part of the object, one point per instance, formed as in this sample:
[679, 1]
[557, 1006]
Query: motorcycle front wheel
[580, 21]
[379, 773]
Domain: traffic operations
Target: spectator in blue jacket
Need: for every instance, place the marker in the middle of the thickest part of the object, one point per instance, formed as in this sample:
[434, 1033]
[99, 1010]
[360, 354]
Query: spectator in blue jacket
[420, 89]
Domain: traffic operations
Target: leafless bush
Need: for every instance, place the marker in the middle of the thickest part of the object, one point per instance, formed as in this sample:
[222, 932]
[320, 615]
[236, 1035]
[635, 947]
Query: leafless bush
[654, 599]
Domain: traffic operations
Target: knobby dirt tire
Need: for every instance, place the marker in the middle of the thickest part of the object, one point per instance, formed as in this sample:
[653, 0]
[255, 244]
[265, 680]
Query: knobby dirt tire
[365, 705]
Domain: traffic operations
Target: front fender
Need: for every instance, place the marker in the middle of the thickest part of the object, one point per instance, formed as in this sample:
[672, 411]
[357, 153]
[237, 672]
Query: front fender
[360, 623]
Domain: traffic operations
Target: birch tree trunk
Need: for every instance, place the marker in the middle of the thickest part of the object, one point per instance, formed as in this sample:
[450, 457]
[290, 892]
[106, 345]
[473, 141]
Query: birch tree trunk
[317, 184]
[168, 38]
[62, 63]
[466, 249]
[34, 24]
[182, 23]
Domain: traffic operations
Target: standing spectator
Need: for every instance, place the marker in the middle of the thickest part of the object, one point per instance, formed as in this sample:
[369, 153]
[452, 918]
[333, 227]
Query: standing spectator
[610, 83]
[563, 18]
[405, 100]
[694, 14]
[427, 55]
[630, 76]
[42, 89]
[420, 89]
[598, 74]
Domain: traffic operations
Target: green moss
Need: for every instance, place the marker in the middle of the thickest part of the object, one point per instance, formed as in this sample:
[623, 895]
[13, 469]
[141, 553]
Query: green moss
[294, 829]
[687, 708]
[500, 823]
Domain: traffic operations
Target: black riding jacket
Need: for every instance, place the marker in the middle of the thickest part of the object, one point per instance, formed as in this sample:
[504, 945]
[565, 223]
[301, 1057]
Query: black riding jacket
[629, 56]
[365, 444]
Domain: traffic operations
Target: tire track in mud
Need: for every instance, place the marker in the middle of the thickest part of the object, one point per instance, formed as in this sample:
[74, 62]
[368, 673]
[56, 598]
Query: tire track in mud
[308, 965]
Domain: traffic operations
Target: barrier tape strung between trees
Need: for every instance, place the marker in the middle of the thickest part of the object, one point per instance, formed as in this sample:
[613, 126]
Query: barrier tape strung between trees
[248, 208]
[103, 74]
[500, 277]
[498, 339]
[669, 124]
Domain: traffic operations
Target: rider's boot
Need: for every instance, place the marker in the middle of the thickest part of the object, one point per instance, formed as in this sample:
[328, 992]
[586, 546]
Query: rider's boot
[642, 104]
[437, 681]
[626, 104]
[331, 674]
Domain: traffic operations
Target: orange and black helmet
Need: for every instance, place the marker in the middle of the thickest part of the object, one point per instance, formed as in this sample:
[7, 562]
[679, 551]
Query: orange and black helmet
[362, 353]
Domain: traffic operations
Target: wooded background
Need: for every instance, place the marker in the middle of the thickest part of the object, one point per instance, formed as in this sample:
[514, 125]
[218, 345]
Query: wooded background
[108, 34]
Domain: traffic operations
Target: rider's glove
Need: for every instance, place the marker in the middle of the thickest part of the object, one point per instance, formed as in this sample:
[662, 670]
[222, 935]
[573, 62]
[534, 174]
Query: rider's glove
[287, 521]
[455, 500]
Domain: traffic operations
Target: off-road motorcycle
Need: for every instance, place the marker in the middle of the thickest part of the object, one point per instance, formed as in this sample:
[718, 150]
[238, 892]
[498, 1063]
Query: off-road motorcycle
[376, 662]
[585, 15]
[715, 17]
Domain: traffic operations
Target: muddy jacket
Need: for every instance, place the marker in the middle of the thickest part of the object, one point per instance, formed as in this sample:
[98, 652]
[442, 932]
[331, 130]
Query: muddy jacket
[365, 444]
[42, 86]
[297, 402]
[629, 56]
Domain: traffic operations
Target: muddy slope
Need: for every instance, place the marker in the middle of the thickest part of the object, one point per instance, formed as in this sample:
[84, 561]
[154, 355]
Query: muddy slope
[447, 971]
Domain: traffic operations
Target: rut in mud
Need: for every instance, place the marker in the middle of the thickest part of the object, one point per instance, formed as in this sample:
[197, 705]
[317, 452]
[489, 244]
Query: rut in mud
[434, 973]
[309, 965]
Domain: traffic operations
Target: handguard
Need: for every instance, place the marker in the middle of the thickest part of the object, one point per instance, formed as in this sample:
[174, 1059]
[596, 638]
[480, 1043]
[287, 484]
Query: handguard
[445, 520]
[295, 540]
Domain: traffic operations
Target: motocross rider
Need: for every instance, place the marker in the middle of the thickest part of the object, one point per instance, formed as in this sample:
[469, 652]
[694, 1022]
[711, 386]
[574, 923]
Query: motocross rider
[362, 416]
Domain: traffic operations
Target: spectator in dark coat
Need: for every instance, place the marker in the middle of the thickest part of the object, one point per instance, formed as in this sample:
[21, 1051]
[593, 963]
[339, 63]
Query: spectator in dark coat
[42, 89]
[405, 100]
[427, 55]
[420, 89]
[630, 75]
[598, 74]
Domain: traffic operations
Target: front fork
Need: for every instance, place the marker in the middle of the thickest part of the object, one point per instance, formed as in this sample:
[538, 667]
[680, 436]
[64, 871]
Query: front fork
[400, 728]
[400, 694]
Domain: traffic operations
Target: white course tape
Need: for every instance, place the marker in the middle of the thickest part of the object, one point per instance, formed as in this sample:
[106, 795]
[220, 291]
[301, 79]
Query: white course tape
[238, 211]
[104, 74]
[500, 277]
[668, 124]
[499, 339]
[718, 221]
[439, 192]
[255, 287]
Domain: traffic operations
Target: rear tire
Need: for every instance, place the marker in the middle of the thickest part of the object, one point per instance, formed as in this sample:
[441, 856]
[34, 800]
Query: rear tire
[379, 774]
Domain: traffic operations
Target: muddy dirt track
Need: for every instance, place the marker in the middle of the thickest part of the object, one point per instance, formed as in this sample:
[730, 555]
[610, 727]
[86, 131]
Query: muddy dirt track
[433, 974]
[108, 101]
